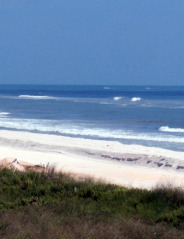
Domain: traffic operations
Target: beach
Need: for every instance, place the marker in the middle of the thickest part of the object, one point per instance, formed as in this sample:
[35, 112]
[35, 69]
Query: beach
[110, 161]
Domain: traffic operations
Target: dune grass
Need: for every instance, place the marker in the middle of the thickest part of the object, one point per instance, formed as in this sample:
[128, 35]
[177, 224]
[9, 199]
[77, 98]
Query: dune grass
[54, 205]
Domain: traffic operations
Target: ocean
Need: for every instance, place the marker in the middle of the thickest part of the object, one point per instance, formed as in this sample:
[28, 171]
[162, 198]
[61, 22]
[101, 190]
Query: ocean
[145, 115]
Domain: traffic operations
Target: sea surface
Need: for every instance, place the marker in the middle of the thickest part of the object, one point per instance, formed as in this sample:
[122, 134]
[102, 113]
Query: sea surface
[144, 115]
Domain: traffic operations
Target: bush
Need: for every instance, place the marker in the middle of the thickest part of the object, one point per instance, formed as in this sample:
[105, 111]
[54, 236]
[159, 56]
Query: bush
[51, 205]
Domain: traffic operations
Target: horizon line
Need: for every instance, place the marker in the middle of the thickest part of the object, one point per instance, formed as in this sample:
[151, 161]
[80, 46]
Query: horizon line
[49, 84]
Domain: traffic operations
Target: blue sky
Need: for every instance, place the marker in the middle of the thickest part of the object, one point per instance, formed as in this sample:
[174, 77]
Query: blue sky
[137, 42]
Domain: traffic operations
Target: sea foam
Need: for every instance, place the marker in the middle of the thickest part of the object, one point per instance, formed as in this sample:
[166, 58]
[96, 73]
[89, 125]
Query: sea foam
[61, 127]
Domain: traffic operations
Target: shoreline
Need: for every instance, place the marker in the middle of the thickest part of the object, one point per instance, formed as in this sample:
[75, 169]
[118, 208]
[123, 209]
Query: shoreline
[110, 161]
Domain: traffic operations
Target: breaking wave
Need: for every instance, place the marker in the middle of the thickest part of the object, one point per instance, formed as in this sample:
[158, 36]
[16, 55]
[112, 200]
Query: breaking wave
[38, 97]
[116, 98]
[83, 130]
[4, 113]
[171, 130]
[134, 99]
[68, 99]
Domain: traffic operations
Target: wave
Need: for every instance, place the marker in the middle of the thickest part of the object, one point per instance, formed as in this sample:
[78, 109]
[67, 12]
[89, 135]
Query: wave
[178, 107]
[117, 98]
[83, 130]
[4, 113]
[105, 103]
[38, 97]
[134, 99]
[106, 88]
[114, 100]
[68, 99]
[171, 130]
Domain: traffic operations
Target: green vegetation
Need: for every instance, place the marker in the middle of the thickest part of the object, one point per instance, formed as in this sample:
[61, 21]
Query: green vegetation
[49, 205]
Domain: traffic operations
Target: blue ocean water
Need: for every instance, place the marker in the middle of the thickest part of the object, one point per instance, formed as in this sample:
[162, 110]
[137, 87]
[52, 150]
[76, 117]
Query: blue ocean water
[145, 115]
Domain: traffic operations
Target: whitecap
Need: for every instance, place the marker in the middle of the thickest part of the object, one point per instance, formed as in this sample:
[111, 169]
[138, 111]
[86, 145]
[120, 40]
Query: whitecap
[134, 99]
[117, 98]
[171, 130]
[4, 113]
[38, 97]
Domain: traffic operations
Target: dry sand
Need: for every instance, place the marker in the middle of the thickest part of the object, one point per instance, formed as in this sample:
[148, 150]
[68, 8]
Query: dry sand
[130, 165]
[15, 164]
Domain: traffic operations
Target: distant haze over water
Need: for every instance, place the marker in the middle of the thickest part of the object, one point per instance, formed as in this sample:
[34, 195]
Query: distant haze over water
[146, 115]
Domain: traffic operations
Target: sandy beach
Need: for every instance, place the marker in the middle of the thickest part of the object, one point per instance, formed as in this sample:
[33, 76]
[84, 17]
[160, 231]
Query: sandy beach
[111, 161]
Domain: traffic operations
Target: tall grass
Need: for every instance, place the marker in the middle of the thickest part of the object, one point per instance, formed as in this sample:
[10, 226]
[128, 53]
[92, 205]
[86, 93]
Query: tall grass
[54, 205]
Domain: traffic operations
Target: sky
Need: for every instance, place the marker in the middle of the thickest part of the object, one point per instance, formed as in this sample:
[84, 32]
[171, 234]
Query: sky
[123, 42]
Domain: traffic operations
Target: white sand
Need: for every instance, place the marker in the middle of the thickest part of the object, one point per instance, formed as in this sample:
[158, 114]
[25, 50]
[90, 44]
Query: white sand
[86, 157]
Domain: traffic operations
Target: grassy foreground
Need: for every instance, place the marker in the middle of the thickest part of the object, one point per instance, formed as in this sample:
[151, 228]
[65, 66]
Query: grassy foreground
[50, 205]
